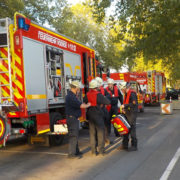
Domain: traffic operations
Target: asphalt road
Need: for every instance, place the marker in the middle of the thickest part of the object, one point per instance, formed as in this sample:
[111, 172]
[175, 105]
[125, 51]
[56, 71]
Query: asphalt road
[157, 156]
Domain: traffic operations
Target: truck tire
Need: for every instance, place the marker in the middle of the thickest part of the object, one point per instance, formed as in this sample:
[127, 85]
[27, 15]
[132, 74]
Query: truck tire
[55, 140]
[2, 128]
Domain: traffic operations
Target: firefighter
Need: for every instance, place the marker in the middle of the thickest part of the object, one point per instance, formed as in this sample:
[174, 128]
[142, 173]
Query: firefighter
[95, 117]
[73, 112]
[115, 95]
[104, 92]
[130, 108]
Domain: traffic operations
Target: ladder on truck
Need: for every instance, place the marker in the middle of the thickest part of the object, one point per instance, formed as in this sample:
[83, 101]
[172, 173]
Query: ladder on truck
[5, 43]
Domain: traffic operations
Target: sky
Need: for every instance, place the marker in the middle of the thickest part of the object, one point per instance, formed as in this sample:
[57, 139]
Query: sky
[74, 1]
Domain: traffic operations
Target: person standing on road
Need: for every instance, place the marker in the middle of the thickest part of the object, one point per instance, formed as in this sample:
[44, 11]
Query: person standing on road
[95, 117]
[73, 112]
[104, 92]
[130, 108]
[115, 95]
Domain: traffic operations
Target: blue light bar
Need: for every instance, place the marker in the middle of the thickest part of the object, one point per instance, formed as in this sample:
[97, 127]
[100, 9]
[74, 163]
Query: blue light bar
[22, 24]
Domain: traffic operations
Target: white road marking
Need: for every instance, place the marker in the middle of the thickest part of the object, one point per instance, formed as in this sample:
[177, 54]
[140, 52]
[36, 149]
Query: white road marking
[34, 152]
[171, 165]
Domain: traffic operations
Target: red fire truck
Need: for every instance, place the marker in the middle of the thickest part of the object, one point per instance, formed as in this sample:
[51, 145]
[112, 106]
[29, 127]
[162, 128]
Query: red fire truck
[36, 65]
[153, 84]
[122, 78]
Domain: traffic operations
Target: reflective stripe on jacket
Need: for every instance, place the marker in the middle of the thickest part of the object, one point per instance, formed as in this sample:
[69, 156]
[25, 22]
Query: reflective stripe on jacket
[115, 91]
[127, 97]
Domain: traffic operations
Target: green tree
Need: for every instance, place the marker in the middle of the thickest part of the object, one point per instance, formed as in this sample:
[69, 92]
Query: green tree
[98, 8]
[41, 11]
[79, 24]
[150, 30]
[37, 10]
[9, 7]
[154, 29]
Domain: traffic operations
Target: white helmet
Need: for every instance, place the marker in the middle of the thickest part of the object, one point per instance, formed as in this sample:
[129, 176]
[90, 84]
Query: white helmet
[93, 84]
[110, 81]
[99, 81]
[76, 84]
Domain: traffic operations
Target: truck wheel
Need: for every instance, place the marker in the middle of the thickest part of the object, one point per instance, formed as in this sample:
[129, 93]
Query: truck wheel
[55, 139]
[2, 128]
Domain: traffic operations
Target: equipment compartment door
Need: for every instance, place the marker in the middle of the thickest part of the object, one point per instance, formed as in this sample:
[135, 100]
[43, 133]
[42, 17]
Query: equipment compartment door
[55, 75]
[34, 71]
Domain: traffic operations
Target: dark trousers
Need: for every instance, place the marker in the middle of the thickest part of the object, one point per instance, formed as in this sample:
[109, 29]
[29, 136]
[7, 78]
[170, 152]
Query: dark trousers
[96, 132]
[113, 111]
[106, 123]
[132, 132]
[73, 132]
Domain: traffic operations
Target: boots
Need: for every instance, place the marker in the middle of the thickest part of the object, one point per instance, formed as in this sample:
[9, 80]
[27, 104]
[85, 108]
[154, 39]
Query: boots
[134, 145]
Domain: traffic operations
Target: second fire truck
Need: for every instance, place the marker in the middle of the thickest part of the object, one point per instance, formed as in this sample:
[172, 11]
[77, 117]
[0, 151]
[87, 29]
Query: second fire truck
[153, 83]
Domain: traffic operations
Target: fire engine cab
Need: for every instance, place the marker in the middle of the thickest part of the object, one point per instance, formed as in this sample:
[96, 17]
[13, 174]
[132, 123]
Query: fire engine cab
[36, 66]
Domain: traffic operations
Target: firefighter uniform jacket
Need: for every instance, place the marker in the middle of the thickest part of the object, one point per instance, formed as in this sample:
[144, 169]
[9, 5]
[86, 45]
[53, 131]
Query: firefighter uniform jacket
[131, 106]
[115, 94]
[94, 112]
[73, 105]
[104, 92]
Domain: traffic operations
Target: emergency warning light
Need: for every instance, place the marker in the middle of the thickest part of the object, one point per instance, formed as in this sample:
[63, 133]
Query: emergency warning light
[23, 23]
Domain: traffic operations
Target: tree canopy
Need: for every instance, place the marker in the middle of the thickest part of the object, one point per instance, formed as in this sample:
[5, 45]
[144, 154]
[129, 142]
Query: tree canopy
[154, 29]
[9, 7]
[80, 24]
[149, 30]
[41, 11]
